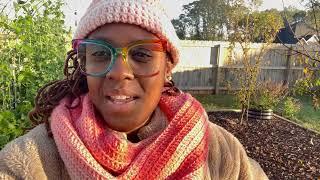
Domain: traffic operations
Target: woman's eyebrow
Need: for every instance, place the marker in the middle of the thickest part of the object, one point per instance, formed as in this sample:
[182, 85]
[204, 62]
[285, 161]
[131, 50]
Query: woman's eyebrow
[116, 44]
[103, 39]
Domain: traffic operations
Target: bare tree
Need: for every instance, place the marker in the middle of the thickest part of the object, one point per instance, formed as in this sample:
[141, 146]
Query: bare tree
[309, 51]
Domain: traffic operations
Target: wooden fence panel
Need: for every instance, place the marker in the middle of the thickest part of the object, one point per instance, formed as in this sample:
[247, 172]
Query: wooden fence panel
[213, 66]
[193, 77]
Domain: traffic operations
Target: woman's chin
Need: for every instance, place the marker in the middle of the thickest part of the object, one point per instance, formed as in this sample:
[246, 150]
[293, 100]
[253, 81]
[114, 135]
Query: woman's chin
[123, 125]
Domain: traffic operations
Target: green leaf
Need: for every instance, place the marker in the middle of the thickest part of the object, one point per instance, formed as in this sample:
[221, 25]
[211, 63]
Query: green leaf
[38, 46]
[4, 139]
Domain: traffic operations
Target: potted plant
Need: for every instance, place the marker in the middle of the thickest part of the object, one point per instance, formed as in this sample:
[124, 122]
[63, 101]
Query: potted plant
[265, 98]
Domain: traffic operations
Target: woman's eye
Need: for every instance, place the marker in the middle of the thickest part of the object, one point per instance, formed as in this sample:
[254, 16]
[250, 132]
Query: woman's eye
[101, 53]
[141, 56]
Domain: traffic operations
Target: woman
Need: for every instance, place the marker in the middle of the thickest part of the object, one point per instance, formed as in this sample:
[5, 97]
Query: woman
[118, 115]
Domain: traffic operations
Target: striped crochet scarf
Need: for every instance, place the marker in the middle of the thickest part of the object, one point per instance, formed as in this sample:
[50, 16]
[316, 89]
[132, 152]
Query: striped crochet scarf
[90, 150]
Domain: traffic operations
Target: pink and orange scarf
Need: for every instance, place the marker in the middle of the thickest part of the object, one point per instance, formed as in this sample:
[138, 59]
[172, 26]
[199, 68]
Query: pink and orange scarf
[90, 150]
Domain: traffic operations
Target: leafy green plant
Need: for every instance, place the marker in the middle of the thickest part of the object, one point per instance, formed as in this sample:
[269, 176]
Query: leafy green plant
[33, 44]
[291, 107]
[306, 86]
[301, 87]
[309, 86]
[268, 95]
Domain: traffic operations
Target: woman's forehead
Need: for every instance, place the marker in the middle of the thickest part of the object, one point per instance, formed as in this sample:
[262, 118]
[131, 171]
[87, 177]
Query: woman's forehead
[121, 34]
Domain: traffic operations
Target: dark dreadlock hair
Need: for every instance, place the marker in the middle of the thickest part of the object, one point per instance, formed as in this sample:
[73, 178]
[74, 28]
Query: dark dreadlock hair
[73, 85]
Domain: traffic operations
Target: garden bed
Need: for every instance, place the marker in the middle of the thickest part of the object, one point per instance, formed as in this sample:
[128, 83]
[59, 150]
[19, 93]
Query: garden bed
[283, 149]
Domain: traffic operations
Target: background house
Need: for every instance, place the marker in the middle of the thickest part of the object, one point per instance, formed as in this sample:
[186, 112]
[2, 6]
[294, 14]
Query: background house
[295, 32]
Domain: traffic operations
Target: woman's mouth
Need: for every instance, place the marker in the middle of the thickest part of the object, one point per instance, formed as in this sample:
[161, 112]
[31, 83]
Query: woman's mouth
[121, 99]
[121, 104]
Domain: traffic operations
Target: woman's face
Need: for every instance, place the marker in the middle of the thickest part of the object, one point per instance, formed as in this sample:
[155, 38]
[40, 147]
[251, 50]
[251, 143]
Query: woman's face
[142, 94]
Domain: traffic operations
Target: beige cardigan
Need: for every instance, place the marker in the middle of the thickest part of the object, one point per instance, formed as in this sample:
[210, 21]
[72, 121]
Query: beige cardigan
[35, 156]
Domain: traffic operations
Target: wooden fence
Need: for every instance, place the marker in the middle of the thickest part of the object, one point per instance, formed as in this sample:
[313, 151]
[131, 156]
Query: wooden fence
[212, 67]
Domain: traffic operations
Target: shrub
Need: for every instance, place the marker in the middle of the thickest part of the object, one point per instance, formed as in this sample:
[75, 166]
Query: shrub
[268, 95]
[310, 87]
[302, 87]
[32, 54]
[291, 107]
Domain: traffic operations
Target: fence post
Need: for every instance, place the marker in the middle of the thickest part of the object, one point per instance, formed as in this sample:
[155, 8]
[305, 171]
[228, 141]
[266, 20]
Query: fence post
[288, 67]
[216, 67]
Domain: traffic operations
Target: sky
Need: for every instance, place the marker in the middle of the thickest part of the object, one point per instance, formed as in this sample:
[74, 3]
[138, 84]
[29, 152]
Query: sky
[268, 4]
[174, 7]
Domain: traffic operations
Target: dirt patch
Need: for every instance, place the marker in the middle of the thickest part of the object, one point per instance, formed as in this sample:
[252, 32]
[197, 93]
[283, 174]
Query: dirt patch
[284, 150]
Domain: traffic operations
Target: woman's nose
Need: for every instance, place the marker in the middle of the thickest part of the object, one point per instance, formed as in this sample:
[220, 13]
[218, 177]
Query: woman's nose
[120, 69]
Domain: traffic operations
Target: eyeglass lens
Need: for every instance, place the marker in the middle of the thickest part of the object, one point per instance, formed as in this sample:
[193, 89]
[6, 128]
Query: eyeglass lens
[143, 59]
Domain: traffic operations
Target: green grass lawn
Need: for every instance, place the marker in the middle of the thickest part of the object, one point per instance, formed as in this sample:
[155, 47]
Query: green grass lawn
[307, 116]
[216, 102]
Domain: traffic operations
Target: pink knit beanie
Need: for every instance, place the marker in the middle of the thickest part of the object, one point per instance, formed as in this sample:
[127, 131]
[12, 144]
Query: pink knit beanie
[148, 14]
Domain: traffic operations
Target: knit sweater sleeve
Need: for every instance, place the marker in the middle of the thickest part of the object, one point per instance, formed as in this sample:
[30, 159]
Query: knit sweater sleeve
[32, 156]
[227, 158]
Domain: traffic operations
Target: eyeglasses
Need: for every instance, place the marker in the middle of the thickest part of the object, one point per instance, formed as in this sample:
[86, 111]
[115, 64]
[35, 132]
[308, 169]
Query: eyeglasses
[97, 57]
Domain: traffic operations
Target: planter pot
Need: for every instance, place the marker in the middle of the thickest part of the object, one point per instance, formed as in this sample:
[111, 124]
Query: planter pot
[260, 114]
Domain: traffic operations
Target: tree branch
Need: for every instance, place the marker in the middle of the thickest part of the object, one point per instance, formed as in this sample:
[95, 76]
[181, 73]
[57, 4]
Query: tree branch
[304, 52]
[315, 19]
[299, 52]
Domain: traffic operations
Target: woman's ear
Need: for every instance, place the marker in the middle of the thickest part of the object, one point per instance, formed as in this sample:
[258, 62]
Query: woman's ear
[169, 67]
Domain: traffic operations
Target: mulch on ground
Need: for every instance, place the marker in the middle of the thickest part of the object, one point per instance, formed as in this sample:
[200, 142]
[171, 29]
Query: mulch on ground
[284, 150]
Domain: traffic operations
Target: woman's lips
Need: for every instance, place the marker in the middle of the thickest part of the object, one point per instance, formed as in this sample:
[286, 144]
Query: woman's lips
[120, 105]
[120, 99]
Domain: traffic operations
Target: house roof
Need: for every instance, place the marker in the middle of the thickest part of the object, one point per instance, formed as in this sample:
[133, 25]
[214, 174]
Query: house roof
[293, 33]
[302, 29]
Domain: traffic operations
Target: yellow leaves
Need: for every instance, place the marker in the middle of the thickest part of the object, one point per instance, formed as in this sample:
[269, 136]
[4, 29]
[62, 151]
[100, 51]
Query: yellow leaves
[305, 70]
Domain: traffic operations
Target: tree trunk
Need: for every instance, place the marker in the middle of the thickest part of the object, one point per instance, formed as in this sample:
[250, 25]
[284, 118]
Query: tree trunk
[243, 110]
